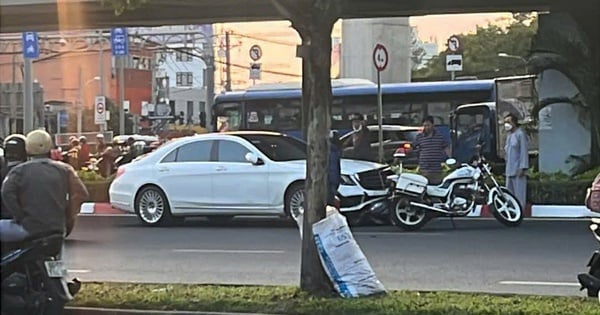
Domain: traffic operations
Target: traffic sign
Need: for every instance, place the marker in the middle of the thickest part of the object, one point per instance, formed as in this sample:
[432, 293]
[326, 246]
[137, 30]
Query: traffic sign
[454, 63]
[380, 57]
[255, 52]
[255, 71]
[119, 41]
[454, 44]
[100, 110]
[31, 48]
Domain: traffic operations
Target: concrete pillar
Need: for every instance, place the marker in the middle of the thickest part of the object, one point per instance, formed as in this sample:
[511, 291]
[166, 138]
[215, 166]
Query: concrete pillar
[359, 37]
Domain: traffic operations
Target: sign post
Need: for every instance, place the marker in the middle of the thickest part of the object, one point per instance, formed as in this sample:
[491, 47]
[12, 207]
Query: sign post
[100, 110]
[119, 42]
[380, 60]
[255, 54]
[30, 51]
[454, 60]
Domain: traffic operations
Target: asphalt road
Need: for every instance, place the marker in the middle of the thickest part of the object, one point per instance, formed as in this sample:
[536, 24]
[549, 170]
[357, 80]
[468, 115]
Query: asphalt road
[540, 257]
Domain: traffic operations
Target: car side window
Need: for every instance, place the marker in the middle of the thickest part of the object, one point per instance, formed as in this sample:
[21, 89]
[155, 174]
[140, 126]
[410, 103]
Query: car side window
[230, 151]
[199, 151]
[171, 157]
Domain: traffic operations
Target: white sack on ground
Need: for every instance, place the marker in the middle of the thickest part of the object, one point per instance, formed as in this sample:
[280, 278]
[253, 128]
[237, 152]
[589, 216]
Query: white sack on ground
[342, 258]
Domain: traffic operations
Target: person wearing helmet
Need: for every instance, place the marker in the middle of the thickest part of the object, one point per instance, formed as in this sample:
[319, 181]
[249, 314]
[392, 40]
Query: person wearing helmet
[57, 190]
[14, 154]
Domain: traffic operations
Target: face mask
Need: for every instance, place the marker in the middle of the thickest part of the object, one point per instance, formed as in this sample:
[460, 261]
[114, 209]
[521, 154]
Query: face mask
[357, 128]
[508, 127]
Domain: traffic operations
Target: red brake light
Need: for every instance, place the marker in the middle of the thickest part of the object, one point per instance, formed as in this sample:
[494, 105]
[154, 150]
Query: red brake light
[120, 171]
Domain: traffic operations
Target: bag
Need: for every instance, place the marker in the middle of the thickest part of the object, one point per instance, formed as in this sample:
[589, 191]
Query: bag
[592, 199]
[342, 259]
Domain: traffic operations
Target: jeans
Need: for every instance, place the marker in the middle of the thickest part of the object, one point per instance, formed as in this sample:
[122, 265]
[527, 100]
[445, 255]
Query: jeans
[331, 192]
[11, 231]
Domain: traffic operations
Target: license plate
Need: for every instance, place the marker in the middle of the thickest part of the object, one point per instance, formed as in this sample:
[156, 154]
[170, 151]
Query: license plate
[55, 269]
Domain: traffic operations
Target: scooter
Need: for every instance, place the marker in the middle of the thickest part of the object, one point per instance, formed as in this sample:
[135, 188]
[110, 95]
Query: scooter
[591, 279]
[33, 277]
[415, 202]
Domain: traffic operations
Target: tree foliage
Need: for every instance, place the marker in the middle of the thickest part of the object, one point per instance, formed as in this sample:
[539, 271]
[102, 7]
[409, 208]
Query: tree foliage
[121, 6]
[480, 51]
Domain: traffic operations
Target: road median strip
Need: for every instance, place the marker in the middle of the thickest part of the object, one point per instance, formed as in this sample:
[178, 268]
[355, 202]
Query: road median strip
[290, 300]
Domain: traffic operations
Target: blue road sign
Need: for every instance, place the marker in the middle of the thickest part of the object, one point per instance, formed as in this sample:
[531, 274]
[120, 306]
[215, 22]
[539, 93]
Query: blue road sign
[31, 48]
[119, 41]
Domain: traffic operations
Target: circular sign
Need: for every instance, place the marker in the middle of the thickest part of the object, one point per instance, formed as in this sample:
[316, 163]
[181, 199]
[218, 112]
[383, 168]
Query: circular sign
[380, 57]
[100, 108]
[255, 52]
[453, 44]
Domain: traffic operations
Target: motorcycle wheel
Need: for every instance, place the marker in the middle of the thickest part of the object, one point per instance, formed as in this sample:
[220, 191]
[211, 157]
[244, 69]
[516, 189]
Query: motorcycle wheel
[506, 208]
[406, 217]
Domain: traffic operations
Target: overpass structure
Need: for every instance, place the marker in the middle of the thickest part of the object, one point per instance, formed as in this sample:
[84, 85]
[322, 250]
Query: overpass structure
[53, 15]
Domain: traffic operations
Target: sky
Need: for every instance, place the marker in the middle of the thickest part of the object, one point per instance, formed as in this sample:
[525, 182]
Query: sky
[442, 27]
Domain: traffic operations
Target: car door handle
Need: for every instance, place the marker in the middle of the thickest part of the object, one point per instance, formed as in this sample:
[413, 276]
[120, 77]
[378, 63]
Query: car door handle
[221, 168]
[163, 169]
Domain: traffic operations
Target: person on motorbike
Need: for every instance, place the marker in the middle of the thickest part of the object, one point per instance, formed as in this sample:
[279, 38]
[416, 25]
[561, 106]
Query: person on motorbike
[14, 154]
[43, 195]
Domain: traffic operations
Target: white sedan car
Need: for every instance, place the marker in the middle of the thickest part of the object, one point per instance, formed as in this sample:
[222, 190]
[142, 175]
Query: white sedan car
[222, 175]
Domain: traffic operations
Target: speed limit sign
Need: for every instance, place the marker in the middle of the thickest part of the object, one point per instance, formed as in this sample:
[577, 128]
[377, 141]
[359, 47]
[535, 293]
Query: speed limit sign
[100, 110]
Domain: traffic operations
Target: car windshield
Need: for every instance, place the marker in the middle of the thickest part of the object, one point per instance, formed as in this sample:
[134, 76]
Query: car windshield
[278, 148]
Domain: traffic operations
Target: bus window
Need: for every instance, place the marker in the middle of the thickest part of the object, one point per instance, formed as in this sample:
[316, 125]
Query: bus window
[440, 112]
[228, 116]
[274, 115]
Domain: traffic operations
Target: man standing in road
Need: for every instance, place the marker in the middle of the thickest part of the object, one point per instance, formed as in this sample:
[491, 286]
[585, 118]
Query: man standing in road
[361, 148]
[432, 149]
[517, 158]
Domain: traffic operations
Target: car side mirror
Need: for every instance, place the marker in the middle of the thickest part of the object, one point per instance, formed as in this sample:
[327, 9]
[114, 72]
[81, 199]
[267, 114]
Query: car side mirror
[450, 162]
[253, 158]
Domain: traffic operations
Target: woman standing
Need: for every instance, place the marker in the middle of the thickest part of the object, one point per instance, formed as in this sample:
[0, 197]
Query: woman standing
[517, 159]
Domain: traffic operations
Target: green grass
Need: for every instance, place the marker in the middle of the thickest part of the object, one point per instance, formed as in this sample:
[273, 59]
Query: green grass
[290, 300]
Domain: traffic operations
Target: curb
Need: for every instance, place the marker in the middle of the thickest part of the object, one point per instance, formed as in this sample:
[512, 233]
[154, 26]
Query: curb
[114, 311]
[531, 211]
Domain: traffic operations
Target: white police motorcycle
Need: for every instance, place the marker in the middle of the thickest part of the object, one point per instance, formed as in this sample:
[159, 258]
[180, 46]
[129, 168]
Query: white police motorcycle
[414, 202]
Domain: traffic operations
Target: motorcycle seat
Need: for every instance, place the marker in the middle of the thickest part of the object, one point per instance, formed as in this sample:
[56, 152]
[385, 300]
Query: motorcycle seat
[50, 243]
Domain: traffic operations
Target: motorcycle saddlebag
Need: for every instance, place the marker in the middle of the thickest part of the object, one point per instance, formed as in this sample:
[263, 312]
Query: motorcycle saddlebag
[411, 183]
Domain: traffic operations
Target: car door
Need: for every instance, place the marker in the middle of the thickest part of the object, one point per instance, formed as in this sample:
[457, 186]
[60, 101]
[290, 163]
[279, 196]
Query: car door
[186, 176]
[239, 184]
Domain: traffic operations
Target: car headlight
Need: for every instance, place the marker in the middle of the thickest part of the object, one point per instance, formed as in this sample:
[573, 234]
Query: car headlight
[346, 180]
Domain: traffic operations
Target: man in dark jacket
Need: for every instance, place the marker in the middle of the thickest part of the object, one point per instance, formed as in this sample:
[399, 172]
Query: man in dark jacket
[42, 195]
[361, 147]
[334, 174]
[14, 154]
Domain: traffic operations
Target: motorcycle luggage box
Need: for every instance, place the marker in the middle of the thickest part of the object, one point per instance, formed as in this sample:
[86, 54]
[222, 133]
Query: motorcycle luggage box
[411, 183]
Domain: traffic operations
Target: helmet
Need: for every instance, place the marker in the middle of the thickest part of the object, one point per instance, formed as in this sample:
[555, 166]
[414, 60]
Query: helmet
[14, 148]
[38, 142]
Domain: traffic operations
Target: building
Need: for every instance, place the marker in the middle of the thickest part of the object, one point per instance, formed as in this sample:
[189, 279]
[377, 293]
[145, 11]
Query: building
[182, 59]
[73, 68]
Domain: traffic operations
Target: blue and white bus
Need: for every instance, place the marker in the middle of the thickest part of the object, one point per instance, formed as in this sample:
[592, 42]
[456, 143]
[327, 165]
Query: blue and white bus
[277, 107]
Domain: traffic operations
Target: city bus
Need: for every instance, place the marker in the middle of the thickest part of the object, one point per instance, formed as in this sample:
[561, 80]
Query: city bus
[277, 107]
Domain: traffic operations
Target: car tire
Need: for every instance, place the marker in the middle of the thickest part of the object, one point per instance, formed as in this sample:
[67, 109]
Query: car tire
[152, 207]
[294, 198]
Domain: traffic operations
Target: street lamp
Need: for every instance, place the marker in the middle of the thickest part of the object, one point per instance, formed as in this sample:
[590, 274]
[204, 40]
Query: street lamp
[80, 100]
[523, 60]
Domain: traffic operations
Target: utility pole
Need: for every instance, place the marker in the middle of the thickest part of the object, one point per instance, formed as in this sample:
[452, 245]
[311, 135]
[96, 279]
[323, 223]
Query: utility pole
[28, 97]
[121, 95]
[101, 71]
[227, 62]
[210, 82]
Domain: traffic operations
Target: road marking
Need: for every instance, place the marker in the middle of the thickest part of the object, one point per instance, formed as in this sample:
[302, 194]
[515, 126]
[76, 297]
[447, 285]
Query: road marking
[542, 283]
[78, 270]
[228, 251]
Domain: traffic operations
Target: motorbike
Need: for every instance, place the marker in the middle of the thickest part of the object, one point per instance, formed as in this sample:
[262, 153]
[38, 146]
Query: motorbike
[590, 281]
[414, 202]
[33, 277]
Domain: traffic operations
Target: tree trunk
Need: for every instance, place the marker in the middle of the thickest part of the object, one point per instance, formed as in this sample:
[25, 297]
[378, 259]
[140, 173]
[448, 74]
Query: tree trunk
[314, 22]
